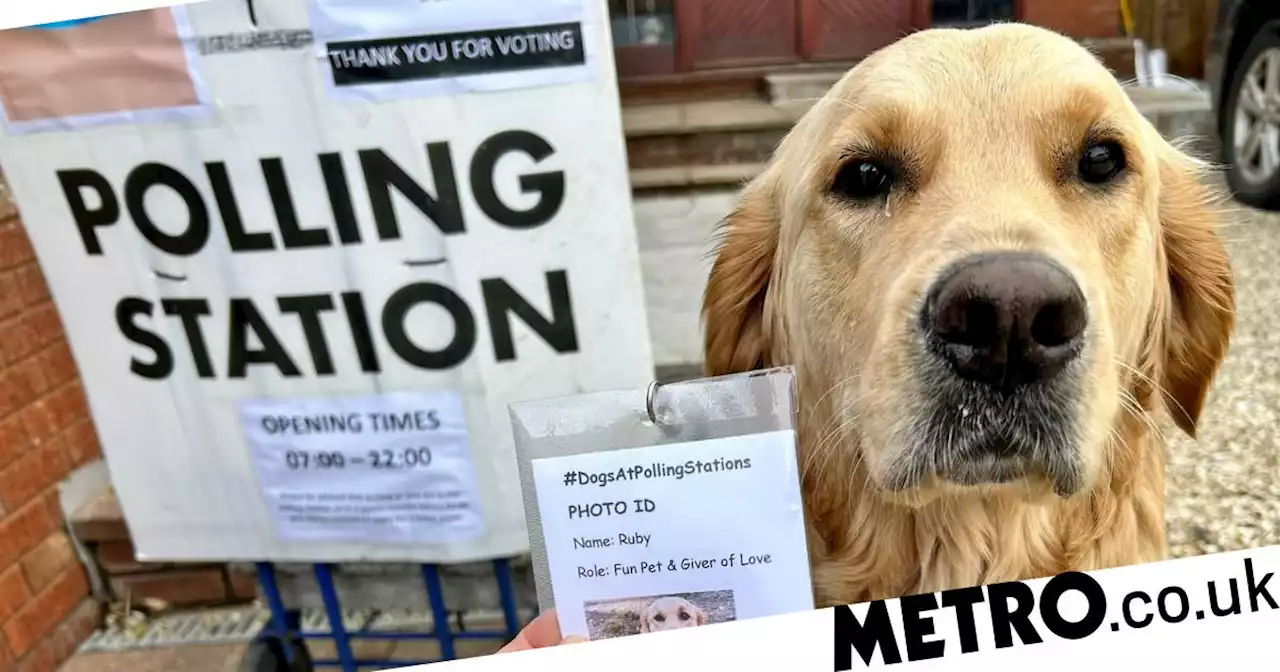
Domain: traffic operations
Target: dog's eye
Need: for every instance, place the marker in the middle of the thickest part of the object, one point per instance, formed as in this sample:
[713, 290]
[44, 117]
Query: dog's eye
[659, 617]
[1101, 162]
[684, 616]
[862, 180]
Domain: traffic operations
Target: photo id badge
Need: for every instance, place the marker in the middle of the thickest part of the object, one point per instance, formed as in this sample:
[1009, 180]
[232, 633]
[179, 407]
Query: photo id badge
[675, 508]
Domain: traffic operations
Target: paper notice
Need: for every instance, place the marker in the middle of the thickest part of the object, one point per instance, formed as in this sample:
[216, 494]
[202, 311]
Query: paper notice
[125, 68]
[387, 49]
[392, 468]
[674, 536]
[73, 12]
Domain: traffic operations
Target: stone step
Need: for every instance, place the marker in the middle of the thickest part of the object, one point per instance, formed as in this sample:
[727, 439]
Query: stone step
[194, 658]
[100, 520]
[691, 145]
[792, 87]
[685, 118]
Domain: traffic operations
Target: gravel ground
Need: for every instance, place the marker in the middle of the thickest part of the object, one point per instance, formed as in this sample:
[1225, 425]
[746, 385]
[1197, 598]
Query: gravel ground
[1223, 490]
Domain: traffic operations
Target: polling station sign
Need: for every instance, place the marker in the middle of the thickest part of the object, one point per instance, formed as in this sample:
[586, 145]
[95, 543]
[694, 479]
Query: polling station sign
[300, 321]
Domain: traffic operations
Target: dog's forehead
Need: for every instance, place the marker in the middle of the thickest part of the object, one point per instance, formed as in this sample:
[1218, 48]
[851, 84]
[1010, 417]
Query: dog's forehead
[1003, 65]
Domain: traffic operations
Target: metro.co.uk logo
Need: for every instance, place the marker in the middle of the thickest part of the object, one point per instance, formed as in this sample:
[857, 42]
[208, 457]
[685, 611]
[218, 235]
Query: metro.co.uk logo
[1069, 606]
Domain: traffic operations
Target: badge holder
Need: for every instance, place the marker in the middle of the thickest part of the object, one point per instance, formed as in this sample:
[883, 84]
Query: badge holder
[682, 418]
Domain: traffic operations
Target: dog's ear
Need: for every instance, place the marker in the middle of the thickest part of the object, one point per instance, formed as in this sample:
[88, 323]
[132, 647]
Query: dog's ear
[733, 304]
[644, 620]
[700, 616]
[1199, 314]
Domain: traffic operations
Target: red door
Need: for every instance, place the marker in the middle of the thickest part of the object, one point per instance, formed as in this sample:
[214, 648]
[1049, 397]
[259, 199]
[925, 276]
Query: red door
[845, 30]
[734, 33]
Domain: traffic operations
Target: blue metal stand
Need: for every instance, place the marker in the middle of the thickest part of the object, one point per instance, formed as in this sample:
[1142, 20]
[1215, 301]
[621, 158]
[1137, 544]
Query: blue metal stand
[286, 628]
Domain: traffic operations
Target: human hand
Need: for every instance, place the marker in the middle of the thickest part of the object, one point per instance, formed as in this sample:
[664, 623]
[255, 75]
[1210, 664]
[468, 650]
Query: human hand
[542, 632]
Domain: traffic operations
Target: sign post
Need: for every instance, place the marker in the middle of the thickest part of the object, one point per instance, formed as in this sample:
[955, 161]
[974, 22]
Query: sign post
[308, 251]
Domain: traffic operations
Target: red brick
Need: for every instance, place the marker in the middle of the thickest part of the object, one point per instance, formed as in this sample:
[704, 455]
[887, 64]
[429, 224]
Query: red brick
[13, 440]
[74, 630]
[15, 248]
[119, 557]
[29, 377]
[58, 363]
[39, 423]
[10, 299]
[68, 404]
[82, 443]
[13, 592]
[30, 285]
[58, 646]
[43, 564]
[45, 323]
[46, 609]
[10, 395]
[242, 584]
[25, 479]
[188, 587]
[25, 529]
[53, 502]
[39, 660]
[18, 338]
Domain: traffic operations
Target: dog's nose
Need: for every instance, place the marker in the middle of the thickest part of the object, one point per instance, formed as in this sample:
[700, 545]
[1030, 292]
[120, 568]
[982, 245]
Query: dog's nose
[1006, 318]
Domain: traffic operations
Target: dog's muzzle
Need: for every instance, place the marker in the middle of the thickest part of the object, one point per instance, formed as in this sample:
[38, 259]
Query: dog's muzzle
[1002, 332]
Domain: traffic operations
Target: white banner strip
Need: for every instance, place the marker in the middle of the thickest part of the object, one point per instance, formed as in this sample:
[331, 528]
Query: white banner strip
[1216, 612]
[21, 13]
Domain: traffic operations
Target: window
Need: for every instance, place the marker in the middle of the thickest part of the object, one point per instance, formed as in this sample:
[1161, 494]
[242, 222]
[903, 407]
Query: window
[971, 11]
[642, 22]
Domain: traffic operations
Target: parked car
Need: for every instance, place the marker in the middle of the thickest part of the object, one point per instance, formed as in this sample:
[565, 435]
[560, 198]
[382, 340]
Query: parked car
[1243, 72]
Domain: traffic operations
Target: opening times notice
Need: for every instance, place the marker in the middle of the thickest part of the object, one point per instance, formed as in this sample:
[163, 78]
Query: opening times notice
[392, 468]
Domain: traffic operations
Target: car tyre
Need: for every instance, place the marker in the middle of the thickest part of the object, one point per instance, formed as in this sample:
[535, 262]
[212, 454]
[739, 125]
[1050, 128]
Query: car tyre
[1251, 127]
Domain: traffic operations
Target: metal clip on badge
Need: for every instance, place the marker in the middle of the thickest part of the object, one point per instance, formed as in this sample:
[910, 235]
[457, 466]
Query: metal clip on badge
[651, 409]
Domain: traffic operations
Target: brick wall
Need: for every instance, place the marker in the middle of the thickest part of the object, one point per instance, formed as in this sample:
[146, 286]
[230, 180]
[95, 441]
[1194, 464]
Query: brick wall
[101, 527]
[1075, 18]
[45, 433]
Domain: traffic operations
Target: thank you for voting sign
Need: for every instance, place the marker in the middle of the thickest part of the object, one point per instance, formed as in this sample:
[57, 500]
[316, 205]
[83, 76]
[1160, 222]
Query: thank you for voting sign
[307, 251]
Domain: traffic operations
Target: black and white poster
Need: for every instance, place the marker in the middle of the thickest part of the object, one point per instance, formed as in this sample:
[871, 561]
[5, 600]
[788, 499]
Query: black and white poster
[300, 321]
[387, 49]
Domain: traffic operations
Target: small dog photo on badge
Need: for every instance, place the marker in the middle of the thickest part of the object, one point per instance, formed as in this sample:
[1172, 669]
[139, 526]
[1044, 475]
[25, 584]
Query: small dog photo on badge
[610, 619]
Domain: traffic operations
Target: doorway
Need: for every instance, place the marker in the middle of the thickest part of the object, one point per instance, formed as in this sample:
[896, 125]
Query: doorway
[665, 37]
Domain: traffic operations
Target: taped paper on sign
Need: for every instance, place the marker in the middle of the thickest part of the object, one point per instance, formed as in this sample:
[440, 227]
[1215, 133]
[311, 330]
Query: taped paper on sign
[131, 68]
[387, 49]
[19, 14]
[393, 468]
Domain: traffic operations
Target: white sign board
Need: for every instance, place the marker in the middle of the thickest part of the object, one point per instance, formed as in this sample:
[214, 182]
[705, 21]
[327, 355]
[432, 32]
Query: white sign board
[300, 303]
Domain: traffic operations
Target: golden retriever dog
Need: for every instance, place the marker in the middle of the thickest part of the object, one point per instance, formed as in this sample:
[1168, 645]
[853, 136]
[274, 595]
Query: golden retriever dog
[991, 273]
[671, 613]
